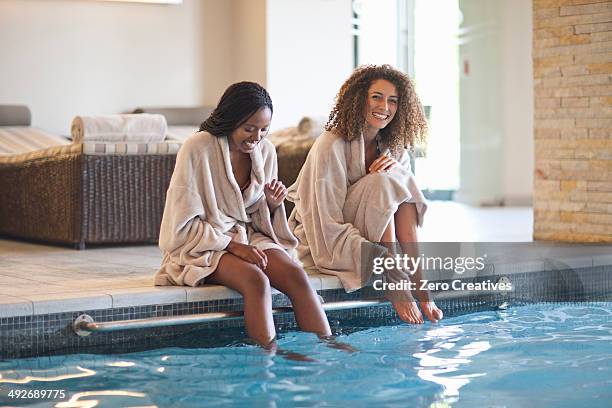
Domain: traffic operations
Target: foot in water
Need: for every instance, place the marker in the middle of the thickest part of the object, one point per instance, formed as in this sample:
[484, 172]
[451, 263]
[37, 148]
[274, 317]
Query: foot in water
[405, 306]
[273, 349]
[408, 311]
[293, 356]
[431, 311]
[335, 344]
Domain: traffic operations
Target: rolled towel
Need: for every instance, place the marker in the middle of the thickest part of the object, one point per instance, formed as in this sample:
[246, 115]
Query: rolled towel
[313, 126]
[136, 128]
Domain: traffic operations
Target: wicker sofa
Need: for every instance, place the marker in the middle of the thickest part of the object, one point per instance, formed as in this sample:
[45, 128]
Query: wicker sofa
[80, 194]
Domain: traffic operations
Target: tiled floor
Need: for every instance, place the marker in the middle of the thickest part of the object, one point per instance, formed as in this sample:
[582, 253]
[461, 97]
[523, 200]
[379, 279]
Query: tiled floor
[36, 279]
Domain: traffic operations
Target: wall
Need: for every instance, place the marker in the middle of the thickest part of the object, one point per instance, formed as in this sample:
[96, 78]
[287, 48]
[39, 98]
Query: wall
[573, 120]
[309, 55]
[496, 102]
[67, 57]
[217, 49]
[96, 57]
[517, 103]
[249, 41]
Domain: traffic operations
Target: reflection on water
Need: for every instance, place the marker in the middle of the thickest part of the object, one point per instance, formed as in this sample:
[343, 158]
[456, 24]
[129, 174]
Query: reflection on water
[76, 402]
[122, 364]
[435, 368]
[84, 372]
[463, 361]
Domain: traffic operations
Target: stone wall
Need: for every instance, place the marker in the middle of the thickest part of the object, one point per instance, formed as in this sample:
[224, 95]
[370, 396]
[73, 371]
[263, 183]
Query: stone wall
[572, 58]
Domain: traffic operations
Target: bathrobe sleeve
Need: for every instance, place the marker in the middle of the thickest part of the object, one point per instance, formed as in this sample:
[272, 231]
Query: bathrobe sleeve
[185, 233]
[273, 224]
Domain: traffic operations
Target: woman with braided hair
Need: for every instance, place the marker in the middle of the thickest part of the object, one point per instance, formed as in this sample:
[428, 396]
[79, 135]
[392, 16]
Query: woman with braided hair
[357, 187]
[224, 221]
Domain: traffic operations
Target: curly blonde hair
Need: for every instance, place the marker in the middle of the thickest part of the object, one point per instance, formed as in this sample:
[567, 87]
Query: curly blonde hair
[347, 117]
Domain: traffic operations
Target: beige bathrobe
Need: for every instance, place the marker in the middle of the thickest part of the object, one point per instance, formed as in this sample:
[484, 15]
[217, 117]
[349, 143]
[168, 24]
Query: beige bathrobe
[205, 210]
[339, 206]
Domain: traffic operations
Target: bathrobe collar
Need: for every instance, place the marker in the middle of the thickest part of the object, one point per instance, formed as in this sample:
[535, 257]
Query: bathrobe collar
[355, 157]
[255, 189]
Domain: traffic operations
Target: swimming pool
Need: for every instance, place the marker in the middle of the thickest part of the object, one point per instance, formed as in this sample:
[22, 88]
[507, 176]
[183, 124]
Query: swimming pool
[536, 355]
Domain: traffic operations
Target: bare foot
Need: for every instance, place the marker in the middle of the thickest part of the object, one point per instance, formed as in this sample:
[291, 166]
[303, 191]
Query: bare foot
[408, 311]
[431, 311]
[293, 356]
[405, 306]
[273, 349]
[335, 344]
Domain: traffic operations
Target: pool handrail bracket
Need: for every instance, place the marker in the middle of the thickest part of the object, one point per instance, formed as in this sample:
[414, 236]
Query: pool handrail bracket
[84, 325]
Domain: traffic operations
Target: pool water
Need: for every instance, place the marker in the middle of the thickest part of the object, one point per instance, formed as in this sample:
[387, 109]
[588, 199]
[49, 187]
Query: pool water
[555, 355]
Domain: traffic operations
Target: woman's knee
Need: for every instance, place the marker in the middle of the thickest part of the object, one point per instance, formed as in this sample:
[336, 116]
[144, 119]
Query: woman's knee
[255, 282]
[377, 185]
[299, 283]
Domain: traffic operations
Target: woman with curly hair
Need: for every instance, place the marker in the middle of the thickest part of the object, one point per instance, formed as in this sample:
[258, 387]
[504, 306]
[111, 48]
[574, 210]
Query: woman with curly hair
[224, 221]
[356, 186]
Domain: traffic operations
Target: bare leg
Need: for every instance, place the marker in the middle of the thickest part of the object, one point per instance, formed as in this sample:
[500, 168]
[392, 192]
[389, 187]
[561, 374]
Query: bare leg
[253, 285]
[403, 303]
[288, 277]
[406, 222]
[292, 280]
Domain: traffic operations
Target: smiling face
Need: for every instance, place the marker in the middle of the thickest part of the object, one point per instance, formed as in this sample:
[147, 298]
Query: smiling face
[381, 104]
[246, 136]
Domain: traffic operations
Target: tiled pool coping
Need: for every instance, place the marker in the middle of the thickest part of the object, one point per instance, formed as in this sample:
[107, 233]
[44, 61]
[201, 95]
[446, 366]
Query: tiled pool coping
[50, 330]
[111, 298]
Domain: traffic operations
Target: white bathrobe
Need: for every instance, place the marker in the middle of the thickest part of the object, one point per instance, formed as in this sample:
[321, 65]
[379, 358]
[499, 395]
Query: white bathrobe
[339, 206]
[205, 210]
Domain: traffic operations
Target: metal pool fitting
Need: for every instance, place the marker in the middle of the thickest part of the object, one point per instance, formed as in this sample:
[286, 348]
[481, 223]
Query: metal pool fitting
[504, 279]
[84, 325]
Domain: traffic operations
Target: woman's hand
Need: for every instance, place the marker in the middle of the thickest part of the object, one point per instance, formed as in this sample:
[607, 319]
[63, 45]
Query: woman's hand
[383, 163]
[248, 253]
[275, 192]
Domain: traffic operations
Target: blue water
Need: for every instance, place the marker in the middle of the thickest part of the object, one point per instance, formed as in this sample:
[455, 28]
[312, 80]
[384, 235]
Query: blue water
[531, 356]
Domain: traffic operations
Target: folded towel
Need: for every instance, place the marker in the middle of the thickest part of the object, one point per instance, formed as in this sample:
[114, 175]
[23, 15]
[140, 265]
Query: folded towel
[137, 128]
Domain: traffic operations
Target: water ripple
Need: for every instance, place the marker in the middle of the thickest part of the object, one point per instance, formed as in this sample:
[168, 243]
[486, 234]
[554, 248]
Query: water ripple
[473, 360]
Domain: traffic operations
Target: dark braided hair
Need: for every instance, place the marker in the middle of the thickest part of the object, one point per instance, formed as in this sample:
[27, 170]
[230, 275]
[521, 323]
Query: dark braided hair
[238, 103]
[347, 117]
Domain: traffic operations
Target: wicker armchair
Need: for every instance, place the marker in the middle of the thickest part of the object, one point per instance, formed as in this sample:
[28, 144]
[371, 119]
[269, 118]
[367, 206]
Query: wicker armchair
[81, 199]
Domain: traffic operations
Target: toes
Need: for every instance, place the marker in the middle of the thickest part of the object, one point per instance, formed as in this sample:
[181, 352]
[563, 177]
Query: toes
[415, 319]
[407, 318]
[409, 312]
[415, 316]
[432, 318]
[433, 313]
